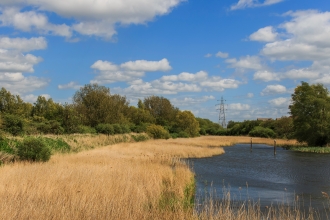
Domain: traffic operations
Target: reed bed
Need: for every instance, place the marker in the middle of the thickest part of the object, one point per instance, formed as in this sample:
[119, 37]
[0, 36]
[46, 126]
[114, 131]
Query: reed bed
[143, 180]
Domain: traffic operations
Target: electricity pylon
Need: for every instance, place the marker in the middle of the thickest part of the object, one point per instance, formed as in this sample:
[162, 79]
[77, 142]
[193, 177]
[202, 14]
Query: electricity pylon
[222, 114]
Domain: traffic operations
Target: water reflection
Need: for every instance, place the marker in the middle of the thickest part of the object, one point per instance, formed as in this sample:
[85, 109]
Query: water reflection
[259, 175]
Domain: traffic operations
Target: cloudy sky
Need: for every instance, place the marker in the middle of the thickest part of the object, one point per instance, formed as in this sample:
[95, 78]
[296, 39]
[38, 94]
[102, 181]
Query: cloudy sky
[253, 53]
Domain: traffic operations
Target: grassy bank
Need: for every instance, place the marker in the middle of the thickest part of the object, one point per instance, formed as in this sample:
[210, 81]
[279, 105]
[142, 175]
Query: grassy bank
[320, 150]
[139, 180]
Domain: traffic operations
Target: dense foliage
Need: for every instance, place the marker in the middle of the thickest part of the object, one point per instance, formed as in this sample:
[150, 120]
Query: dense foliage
[95, 110]
[310, 111]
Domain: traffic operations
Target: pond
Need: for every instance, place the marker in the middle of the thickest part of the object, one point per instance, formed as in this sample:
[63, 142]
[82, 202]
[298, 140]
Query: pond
[262, 176]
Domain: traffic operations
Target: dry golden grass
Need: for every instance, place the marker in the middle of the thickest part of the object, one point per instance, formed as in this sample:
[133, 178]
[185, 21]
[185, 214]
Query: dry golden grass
[144, 180]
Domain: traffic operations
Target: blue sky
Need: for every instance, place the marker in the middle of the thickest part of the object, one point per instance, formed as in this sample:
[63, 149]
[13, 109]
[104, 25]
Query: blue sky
[193, 52]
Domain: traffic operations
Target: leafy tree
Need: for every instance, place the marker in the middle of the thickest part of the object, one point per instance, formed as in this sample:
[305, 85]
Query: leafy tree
[47, 109]
[186, 122]
[158, 132]
[13, 124]
[70, 119]
[33, 149]
[161, 109]
[92, 103]
[310, 110]
[284, 127]
[259, 131]
[11, 104]
[208, 127]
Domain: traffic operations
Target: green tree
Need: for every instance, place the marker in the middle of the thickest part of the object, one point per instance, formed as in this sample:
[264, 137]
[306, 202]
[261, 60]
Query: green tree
[310, 112]
[161, 109]
[186, 122]
[92, 103]
[13, 104]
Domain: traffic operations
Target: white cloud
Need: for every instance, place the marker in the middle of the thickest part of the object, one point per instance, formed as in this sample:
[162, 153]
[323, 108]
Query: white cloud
[266, 76]
[250, 95]
[238, 106]
[280, 102]
[33, 98]
[222, 55]
[219, 84]
[186, 101]
[241, 4]
[23, 44]
[245, 63]
[266, 34]
[29, 21]
[70, 85]
[91, 17]
[14, 63]
[274, 89]
[199, 76]
[147, 66]
[208, 55]
[308, 39]
[131, 71]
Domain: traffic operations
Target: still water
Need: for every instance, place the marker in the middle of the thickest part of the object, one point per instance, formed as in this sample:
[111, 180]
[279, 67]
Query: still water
[261, 176]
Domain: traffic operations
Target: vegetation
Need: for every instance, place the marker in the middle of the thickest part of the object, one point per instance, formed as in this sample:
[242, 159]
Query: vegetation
[33, 149]
[142, 180]
[310, 111]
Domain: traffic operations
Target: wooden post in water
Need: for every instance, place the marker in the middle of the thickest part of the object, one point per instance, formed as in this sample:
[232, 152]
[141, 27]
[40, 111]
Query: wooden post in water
[274, 147]
[251, 145]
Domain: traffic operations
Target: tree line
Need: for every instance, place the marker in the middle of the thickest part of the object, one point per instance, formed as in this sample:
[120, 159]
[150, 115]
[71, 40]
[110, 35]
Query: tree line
[95, 110]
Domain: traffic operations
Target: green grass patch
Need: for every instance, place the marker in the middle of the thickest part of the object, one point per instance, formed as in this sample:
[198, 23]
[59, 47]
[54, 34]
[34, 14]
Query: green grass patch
[8, 145]
[56, 145]
[140, 137]
[320, 150]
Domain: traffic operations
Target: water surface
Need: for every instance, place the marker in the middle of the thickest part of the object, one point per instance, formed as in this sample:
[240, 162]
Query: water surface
[259, 175]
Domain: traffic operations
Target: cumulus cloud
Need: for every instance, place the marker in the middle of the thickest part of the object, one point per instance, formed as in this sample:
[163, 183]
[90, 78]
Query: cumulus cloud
[241, 4]
[238, 106]
[274, 89]
[33, 98]
[23, 44]
[108, 72]
[191, 101]
[280, 102]
[266, 76]
[222, 54]
[250, 95]
[199, 76]
[14, 63]
[97, 18]
[208, 55]
[306, 41]
[70, 85]
[245, 63]
[266, 34]
[147, 66]
[29, 21]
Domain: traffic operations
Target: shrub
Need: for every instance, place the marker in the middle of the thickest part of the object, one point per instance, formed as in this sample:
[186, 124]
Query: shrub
[56, 145]
[33, 149]
[13, 124]
[82, 129]
[6, 147]
[262, 132]
[125, 129]
[183, 134]
[117, 128]
[140, 137]
[105, 129]
[157, 132]
[50, 127]
[141, 128]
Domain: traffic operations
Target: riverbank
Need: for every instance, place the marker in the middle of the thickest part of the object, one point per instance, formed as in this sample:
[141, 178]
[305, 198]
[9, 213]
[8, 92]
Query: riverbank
[142, 180]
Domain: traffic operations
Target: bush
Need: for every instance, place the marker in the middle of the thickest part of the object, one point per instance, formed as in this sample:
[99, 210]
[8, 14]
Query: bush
[139, 137]
[105, 129]
[86, 130]
[183, 134]
[141, 128]
[117, 128]
[50, 127]
[262, 132]
[5, 146]
[33, 149]
[13, 124]
[56, 145]
[157, 132]
[125, 129]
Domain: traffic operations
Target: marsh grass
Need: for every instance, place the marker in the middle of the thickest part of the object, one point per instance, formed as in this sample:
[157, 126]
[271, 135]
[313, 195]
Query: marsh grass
[139, 180]
[320, 150]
